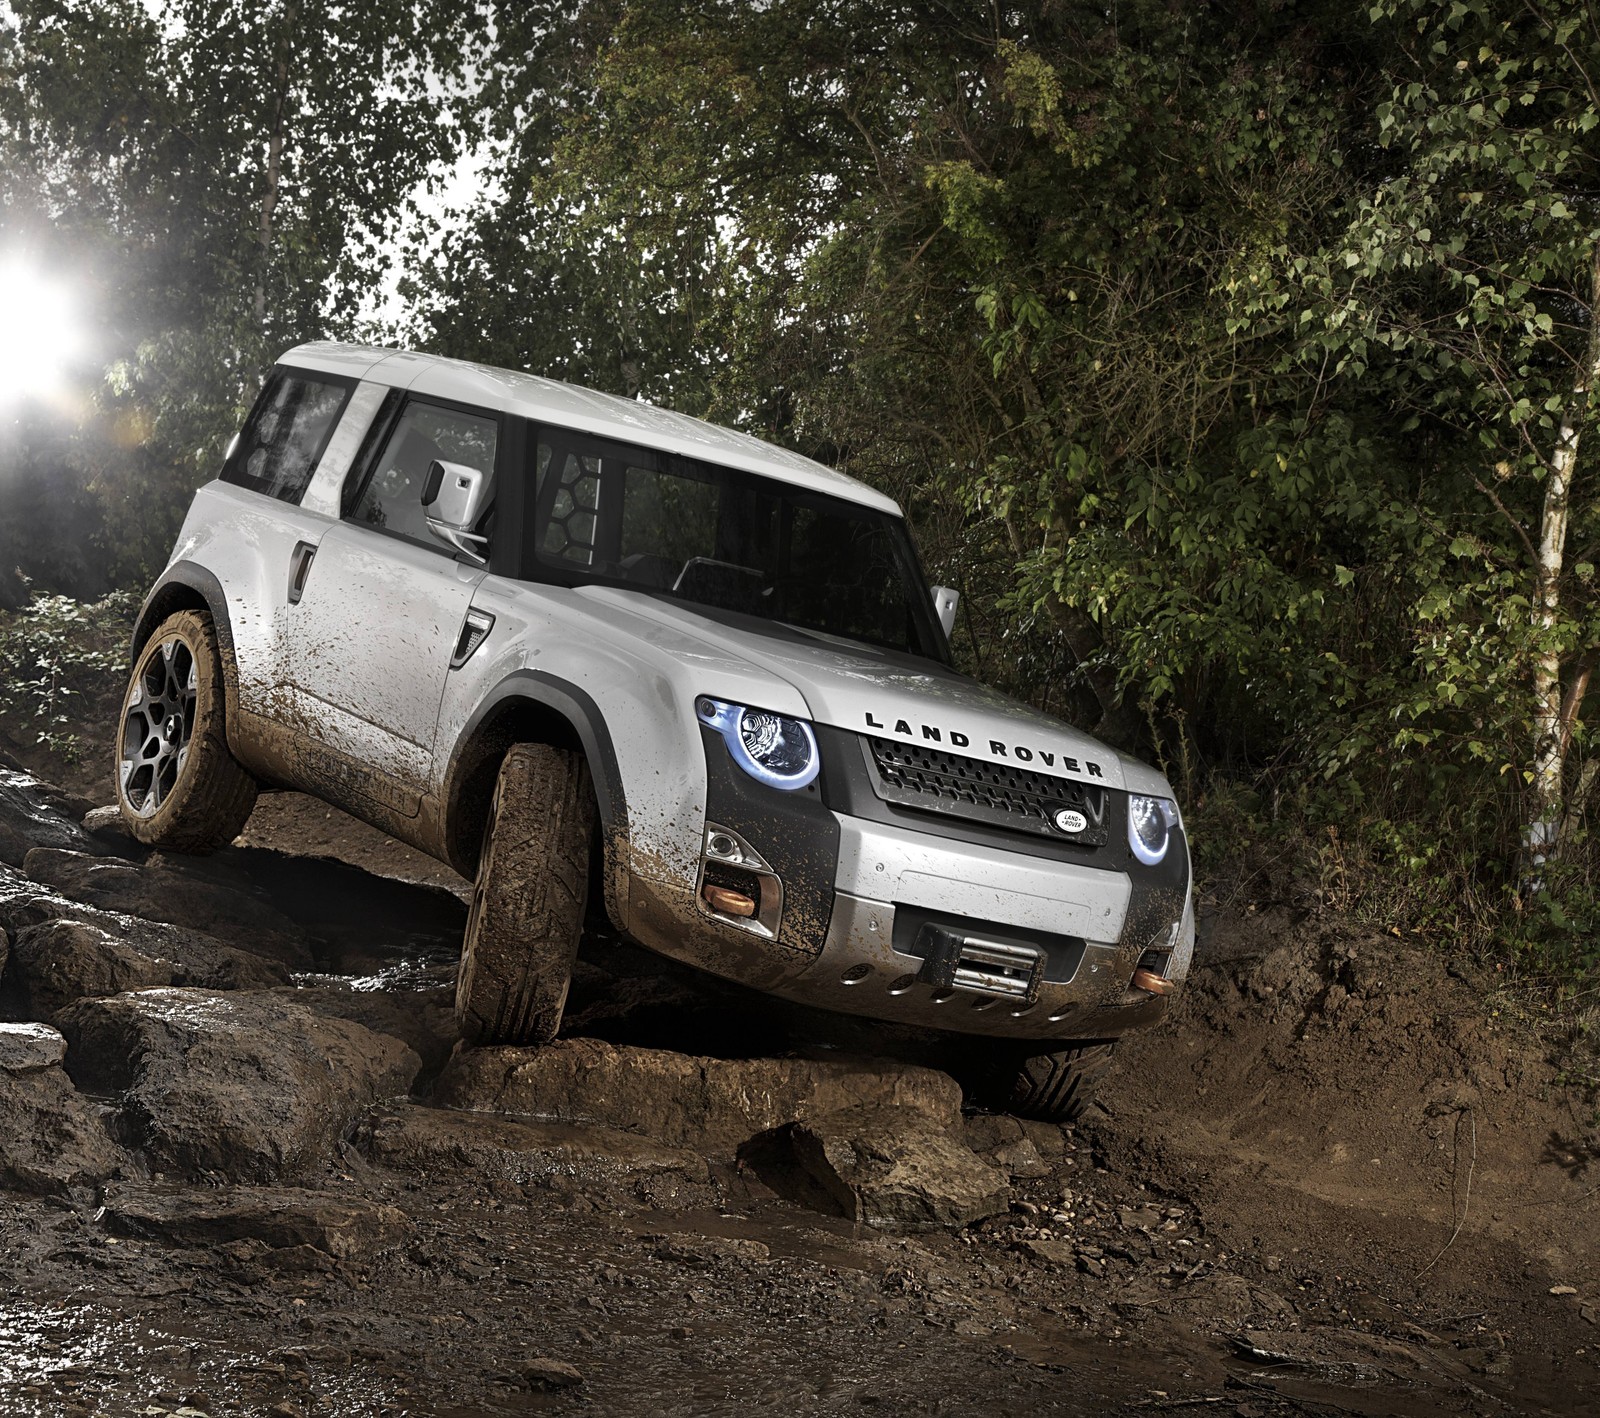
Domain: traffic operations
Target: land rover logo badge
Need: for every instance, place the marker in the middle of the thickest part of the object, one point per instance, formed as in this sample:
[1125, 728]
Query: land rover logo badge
[1069, 820]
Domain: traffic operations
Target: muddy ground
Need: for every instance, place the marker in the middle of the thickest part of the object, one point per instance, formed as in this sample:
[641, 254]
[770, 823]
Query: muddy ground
[1333, 1182]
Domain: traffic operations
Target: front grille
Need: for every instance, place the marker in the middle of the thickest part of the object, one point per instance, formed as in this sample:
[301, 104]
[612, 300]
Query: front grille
[1002, 795]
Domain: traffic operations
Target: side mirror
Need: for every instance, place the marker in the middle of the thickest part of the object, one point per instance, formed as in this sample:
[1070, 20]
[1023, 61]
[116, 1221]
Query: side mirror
[945, 602]
[455, 495]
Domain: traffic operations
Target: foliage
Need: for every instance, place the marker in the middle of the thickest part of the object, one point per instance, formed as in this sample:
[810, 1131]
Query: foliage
[53, 652]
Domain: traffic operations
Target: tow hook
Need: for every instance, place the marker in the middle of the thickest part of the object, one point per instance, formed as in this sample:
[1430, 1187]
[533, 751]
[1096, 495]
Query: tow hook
[1152, 983]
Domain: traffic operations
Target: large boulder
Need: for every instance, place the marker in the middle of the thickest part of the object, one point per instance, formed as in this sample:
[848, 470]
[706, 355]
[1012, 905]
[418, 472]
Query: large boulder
[51, 1137]
[244, 1086]
[283, 1218]
[25, 902]
[33, 814]
[166, 890]
[436, 1141]
[710, 1105]
[425, 1019]
[59, 961]
[887, 1167]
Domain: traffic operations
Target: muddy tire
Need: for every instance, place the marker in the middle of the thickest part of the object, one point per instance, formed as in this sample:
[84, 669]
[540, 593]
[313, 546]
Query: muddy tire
[529, 899]
[1056, 1088]
[178, 786]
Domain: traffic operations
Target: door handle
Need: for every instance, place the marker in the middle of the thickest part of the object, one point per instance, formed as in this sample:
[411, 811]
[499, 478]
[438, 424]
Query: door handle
[299, 568]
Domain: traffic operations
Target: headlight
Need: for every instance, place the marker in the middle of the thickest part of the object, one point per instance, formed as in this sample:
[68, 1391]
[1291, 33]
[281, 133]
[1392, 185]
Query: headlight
[1150, 824]
[775, 750]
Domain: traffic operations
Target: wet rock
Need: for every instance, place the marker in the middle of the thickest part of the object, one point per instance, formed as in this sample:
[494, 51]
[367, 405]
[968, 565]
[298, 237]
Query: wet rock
[551, 1374]
[33, 814]
[1020, 1160]
[411, 1138]
[163, 890]
[879, 1166]
[712, 1250]
[711, 1105]
[244, 1086]
[24, 903]
[1047, 1138]
[1062, 1253]
[59, 961]
[52, 1137]
[27, 1047]
[423, 1019]
[284, 1218]
[983, 1132]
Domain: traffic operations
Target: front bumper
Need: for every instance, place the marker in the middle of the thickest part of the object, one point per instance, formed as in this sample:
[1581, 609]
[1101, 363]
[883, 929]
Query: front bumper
[889, 880]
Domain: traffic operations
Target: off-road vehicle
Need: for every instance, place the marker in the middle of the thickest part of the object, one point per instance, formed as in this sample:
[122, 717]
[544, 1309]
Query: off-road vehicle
[595, 655]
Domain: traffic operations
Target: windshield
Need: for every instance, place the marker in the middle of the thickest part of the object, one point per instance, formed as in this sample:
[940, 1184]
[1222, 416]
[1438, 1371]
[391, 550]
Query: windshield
[728, 540]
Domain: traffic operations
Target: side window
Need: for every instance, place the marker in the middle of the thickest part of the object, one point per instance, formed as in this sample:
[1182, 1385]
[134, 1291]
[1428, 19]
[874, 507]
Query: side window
[392, 497]
[279, 447]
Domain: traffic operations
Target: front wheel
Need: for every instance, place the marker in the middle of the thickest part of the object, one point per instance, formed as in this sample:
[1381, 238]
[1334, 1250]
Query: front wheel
[178, 786]
[528, 900]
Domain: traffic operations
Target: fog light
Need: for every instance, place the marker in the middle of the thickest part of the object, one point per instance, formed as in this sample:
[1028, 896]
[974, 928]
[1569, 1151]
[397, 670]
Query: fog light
[728, 901]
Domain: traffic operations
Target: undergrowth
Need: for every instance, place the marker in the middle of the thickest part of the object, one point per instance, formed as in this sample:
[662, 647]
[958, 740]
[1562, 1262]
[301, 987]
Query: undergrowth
[54, 652]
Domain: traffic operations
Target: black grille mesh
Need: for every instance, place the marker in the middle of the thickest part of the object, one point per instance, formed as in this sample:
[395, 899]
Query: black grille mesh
[914, 775]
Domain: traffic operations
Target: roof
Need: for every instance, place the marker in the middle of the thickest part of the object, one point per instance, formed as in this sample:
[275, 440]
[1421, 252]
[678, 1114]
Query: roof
[607, 415]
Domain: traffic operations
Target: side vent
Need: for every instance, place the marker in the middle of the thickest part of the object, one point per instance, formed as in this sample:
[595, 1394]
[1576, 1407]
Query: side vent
[474, 631]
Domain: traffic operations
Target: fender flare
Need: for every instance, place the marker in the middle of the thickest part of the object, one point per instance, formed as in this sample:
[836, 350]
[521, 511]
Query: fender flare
[579, 709]
[155, 608]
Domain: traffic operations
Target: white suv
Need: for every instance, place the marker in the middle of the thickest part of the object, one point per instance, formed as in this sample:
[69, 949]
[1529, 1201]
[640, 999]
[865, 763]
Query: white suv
[597, 656]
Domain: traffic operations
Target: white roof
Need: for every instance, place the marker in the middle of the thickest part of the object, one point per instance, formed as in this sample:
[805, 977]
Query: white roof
[551, 401]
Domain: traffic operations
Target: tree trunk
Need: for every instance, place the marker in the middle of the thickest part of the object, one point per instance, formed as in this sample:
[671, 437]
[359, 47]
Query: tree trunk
[274, 183]
[1551, 726]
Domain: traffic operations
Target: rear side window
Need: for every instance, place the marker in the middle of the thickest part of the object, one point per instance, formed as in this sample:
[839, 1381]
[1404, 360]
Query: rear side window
[289, 427]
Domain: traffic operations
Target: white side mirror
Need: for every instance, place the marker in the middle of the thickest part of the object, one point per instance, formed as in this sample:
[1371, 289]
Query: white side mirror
[945, 602]
[455, 496]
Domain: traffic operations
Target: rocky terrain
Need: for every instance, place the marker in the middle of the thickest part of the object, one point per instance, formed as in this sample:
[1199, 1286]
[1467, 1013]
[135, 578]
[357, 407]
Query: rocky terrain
[244, 1169]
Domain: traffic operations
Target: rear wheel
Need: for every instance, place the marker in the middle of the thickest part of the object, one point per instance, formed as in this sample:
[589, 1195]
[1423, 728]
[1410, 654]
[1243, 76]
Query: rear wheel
[1057, 1087]
[528, 900]
[178, 786]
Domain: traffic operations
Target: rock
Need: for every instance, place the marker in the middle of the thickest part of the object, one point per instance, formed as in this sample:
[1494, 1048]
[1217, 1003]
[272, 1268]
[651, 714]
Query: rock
[246, 1086]
[53, 1137]
[983, 1132]
[27, 1047]
[33, 814]
[883, 1166]
[1020, 1160]
[411, 1138]
[25, 903]
[551, 1374]
[1046, 1138]
[59, 961]
[285, 1218]
[164, 890]
[1062, 1253]
[424, 1019]
[711, 1250]
[711, 1105]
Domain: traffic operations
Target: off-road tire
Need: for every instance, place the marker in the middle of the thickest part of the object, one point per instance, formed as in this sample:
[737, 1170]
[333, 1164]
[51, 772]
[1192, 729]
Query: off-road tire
[178, 786]
[1056, 1088]
[529, 899]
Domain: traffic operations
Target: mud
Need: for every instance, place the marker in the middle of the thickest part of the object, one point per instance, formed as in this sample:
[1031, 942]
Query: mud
[1331, 1182]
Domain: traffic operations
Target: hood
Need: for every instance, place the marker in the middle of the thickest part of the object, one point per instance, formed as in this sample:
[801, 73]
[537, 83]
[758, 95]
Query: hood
[888, 695]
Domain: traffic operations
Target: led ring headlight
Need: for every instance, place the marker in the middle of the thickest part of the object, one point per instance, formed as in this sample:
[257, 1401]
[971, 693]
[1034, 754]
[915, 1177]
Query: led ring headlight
[772, 748]
[1150, 824]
